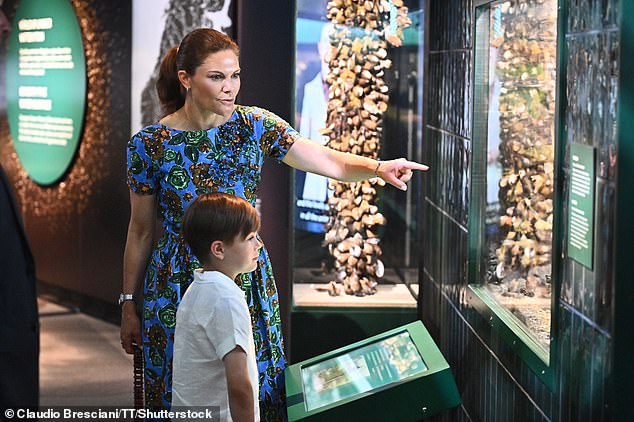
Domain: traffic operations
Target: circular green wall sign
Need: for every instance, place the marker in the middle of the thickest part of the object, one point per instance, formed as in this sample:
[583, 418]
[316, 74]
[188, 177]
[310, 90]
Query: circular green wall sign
[46, 87]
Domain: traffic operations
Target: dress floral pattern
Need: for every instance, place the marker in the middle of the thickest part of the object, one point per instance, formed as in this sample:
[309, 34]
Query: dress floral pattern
[178, 166]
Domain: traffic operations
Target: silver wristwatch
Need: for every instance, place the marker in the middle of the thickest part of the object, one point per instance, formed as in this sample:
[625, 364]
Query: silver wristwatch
[123, 297]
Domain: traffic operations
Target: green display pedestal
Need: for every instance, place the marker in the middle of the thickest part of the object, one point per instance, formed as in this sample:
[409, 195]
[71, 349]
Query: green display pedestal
[396, 375]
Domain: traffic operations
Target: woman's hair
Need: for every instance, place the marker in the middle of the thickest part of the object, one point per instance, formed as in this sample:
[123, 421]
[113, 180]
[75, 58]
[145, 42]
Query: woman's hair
[191, 53]
[217, 216]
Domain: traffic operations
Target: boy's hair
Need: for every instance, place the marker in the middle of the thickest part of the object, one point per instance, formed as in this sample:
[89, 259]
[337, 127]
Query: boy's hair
[217, 216]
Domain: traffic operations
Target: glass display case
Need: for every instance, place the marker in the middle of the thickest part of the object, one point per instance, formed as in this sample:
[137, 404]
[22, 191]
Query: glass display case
[512, 203]
[399, 136]
[359, 90]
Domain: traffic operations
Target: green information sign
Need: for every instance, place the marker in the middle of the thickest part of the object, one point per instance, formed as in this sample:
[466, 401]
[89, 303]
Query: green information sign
[581, 205]
[46, 87]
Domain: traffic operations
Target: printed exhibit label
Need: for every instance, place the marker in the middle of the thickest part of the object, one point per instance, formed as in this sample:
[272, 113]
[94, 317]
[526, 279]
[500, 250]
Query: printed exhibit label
[581, 204]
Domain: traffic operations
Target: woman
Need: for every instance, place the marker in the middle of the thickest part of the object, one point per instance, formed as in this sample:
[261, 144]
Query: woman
[206, 143]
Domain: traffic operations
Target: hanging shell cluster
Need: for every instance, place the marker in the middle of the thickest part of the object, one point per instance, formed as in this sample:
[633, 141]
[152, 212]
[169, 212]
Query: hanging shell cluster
[526, 67]
[358, 97]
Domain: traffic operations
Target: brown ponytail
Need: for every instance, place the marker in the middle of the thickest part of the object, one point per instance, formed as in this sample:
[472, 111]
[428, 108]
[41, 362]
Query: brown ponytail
[170, 91]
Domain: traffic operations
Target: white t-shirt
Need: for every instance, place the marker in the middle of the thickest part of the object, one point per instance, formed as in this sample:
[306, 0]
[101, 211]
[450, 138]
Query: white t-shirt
[212, 319]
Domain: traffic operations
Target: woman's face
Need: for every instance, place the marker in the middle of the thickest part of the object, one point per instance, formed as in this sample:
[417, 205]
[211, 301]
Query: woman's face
[216, 82]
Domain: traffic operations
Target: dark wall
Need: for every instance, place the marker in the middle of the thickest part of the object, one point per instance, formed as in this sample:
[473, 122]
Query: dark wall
[77, 226]
[623, 292]
[590, 97]
[496, 385]
[266, 36]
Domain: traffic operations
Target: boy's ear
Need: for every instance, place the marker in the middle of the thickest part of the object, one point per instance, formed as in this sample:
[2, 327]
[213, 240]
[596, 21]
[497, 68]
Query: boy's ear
[217, 249]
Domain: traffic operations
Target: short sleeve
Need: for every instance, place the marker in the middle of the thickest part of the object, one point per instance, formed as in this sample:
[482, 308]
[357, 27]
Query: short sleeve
[141, 169]
[229, 327]
[277, 136]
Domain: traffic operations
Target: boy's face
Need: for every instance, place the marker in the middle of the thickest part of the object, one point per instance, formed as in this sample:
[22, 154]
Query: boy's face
[242, 255]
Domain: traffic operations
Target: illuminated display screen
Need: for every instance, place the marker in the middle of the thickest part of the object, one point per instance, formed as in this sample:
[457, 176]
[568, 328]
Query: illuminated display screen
[367, 368]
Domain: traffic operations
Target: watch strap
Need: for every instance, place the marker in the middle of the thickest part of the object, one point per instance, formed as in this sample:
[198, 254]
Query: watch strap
[124, 297]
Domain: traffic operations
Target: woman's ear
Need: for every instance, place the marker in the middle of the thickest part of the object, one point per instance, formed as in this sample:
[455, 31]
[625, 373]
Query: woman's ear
[183, 77]
[217, 249]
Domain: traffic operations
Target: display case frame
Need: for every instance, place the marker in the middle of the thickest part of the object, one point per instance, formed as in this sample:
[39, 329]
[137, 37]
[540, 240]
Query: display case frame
[497, 317]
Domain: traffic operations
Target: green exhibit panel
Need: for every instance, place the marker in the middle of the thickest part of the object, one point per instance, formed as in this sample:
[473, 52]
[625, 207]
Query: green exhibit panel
[397, 375]
[46, 87]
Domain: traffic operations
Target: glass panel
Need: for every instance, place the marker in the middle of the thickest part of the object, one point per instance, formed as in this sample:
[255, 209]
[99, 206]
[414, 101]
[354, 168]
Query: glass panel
[399, 135]
[519, 159]
[367, 368]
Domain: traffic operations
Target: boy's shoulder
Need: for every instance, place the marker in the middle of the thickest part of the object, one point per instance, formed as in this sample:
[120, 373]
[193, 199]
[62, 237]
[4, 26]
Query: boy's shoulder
[214, 284]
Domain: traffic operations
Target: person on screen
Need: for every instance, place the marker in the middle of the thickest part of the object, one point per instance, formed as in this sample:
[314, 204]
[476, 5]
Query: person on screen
[313, 117]
[214, 353]
[207, 143]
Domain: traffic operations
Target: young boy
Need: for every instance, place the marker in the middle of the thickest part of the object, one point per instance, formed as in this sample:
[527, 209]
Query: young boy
[214, 353]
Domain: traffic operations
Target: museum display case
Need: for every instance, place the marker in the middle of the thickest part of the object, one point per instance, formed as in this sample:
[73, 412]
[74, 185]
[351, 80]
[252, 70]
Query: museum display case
[358, 89]
[513, 203]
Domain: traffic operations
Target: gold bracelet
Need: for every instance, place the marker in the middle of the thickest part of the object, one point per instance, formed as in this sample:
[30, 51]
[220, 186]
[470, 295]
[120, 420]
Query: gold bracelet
[378, 164]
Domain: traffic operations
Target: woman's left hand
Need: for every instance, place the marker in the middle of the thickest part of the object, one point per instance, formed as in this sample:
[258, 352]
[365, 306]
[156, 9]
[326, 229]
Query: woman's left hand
[398, 172]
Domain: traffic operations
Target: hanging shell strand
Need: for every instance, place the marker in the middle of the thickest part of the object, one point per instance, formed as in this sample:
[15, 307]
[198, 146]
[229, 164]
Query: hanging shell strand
[358, 97]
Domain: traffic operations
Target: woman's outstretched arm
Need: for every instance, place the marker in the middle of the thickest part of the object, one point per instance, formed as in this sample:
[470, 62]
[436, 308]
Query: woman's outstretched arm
[310, 156]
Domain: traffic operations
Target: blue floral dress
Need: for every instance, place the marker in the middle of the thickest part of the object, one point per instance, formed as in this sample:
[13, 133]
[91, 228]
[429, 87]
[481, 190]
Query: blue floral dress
[177, 166]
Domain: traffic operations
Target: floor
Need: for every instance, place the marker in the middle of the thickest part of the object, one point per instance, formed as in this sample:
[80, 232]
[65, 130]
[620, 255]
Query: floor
[81, 360]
